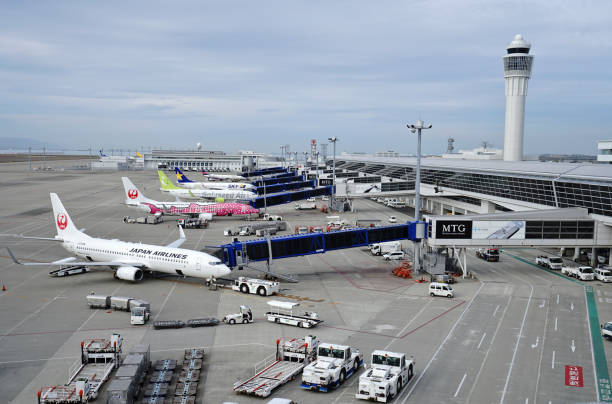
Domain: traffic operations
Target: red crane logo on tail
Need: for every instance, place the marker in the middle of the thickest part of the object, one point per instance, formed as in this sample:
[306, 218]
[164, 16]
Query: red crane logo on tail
[133, 193]
[62, 221]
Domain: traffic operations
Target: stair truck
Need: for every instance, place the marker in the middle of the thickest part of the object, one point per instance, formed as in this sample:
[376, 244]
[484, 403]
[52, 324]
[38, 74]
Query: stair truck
[334, 364]
[390, 371]
[99, 357]
[290, 358]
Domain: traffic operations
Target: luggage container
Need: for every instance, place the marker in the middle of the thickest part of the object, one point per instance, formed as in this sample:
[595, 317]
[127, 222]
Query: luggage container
[120, 391]
[98, 301]
[120, 303]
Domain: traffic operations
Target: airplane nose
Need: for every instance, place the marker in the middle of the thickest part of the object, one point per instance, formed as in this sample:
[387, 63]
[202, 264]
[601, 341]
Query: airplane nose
[223, 271]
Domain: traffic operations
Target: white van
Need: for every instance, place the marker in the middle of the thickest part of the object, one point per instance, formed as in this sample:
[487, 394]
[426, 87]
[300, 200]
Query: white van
[603, 274]
[441, 289]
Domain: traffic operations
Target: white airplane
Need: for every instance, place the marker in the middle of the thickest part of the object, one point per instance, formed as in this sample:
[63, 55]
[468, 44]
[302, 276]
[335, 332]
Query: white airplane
[222, 177]
[216, 194]
[202, 210]
[128, 260]
[187, 183]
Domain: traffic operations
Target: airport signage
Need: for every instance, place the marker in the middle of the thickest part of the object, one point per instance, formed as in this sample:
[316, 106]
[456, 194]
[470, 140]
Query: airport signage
[573, 376]
[498, 229]
[453, 229]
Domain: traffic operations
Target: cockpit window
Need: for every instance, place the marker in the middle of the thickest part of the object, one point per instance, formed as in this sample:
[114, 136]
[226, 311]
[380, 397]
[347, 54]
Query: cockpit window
[215, 263]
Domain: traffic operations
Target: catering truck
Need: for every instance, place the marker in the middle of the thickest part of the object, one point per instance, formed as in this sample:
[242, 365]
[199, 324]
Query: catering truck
[390, 371]
[334, 364]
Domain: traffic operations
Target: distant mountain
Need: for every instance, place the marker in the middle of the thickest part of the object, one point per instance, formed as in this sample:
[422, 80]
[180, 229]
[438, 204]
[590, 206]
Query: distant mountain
[21, 143]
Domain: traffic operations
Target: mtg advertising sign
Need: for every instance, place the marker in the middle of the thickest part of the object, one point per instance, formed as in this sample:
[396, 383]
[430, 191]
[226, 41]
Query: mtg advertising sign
[480, 229]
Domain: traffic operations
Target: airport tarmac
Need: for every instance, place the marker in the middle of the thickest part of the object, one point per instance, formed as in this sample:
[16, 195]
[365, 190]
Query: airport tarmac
[506, 337]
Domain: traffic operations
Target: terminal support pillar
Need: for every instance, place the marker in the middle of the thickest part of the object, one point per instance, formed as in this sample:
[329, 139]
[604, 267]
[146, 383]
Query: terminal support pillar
[594, 260]
[576, 253]
[486, 206]
[610, 257]
[441, 208]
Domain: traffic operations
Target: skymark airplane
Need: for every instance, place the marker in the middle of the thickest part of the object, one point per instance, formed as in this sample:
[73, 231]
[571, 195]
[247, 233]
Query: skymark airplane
[128, 260]
[187, 183]
[231, 194]
[203, 210]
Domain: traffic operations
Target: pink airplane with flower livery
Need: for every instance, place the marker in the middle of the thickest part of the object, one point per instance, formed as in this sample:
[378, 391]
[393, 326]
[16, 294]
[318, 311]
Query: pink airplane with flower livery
[201, 210]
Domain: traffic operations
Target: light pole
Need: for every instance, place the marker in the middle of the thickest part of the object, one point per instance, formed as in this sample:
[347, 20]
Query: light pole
[333, 201]
[282, 156]
[317, 170]
[417, 188]
[263, 180]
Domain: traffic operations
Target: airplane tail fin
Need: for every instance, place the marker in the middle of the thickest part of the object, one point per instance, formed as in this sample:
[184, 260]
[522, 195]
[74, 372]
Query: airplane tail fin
[165, 182]
[65, 227]
[133, 196]
[180, 177]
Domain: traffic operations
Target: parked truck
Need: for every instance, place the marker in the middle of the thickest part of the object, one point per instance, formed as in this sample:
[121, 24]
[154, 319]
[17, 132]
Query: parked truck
[192, 223]
[584, 273]
[282, 313]
[384, 248]
[488, 254]
[551, 262]
[251, 228]
[334, 364]
[389, 373]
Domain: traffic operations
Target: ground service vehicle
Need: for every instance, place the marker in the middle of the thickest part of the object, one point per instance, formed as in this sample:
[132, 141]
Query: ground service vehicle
[284, 366]
[606, 330]
[549, 262]
[192, 223]
[603, 274]
[245, 316]
[394, 255]
[272, 217]
[383, 248]
[284, 315]
[251, 228]
[140, 314]
[305, 206]
[99, 356]
[334, 364]
[392, 219]
[584, 273]
[302, 230]
[488, 254]
[441, 289]
[311, 199]
[230, 232]
[390, 371]
[258, 286]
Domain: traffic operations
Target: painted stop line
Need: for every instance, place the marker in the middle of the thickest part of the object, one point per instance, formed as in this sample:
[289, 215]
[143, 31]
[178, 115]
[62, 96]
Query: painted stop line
[573, 376]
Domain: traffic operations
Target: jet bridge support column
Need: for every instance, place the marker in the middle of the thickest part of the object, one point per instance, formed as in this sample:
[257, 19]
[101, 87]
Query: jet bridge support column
[594, 260]
[576, 253]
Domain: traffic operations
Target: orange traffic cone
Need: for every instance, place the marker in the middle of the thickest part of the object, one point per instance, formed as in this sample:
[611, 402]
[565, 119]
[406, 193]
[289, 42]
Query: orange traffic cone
[3, 287]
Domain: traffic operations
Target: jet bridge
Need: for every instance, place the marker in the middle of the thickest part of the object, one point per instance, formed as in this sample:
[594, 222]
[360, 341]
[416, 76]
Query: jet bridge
[264, 171]
[278, 180]
[288, 197]
[240, 253]
[288, 186]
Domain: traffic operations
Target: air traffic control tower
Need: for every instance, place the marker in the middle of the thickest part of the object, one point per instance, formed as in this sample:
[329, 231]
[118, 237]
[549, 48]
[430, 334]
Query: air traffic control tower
[517, 70]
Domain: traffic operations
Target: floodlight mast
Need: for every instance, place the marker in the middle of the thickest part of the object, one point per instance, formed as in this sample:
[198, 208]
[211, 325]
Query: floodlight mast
[417, 128]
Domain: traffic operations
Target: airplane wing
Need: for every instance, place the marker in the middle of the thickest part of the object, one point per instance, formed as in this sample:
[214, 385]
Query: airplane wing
[65, 261]
[31, 237]
[180, 241]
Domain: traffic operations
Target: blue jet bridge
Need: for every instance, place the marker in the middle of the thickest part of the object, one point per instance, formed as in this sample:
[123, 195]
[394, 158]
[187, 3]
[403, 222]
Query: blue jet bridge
[240, 253]
[288, 186]
[278, 180]
[264, 171]
[287, 197]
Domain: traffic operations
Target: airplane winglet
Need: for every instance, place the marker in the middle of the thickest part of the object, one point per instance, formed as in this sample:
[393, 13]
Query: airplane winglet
[13, 256]
[177, 243]
[181, 233]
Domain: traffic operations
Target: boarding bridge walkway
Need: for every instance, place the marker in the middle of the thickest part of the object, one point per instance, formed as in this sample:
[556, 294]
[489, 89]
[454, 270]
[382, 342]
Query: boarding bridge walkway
[288, 197]
[264, 171]
[240, 253]
[278, 180]
[288, 186]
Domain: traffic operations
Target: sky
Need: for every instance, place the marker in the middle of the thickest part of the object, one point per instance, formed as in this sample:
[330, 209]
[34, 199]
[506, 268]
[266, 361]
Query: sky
[245, 75]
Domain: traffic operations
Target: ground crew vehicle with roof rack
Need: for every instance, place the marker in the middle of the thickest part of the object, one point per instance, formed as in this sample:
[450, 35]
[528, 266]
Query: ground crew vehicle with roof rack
[256, 286]
[390, 371]
[334, 364]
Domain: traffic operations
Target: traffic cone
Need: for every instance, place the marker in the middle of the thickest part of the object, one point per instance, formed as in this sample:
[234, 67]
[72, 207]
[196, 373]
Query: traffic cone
[3, 287]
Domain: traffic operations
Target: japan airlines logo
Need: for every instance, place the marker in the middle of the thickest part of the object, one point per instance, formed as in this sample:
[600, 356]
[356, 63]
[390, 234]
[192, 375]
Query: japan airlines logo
[133, 193]
[62, 221]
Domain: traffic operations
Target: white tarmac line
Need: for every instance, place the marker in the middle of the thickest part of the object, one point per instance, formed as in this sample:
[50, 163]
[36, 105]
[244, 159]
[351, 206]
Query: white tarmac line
[481, 339]
[460, 384]
[518, 340]
[408, 392]
[553, 360]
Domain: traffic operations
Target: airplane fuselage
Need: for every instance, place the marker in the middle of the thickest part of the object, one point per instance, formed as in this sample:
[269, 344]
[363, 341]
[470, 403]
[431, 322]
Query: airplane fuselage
[149, 257]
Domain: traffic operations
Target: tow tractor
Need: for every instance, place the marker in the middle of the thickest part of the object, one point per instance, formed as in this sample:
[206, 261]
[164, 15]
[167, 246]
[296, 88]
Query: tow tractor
[245, 316]
[99, 356]
[390, 372]
[258, 286]
[334, 364]
[290, 358]
[284, 315]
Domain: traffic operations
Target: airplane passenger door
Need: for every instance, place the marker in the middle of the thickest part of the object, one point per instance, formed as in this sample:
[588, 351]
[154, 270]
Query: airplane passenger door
[198, 268]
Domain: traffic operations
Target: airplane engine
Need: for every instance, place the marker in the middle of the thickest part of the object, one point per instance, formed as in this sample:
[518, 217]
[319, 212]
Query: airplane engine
[205, 216]
[128, 273]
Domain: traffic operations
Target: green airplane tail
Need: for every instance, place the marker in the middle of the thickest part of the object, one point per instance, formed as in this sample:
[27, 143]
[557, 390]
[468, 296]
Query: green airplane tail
[165, 182]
